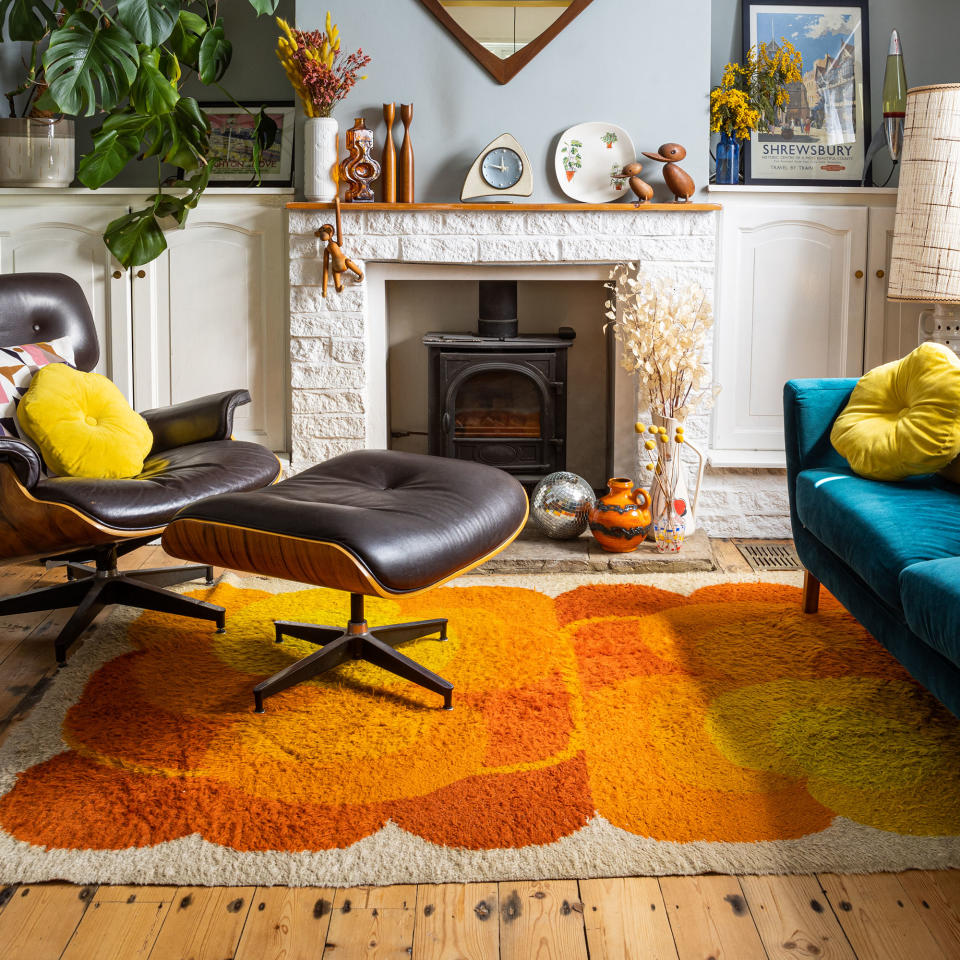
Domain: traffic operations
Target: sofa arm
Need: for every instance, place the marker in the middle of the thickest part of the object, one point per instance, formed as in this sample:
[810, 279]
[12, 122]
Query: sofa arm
[194, 421]
[809, 409]
[23, 458]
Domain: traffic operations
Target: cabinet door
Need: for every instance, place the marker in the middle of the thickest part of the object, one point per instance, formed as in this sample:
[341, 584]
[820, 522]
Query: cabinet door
[891, 327]
[209, 315]
[65, 237]
[789, 306]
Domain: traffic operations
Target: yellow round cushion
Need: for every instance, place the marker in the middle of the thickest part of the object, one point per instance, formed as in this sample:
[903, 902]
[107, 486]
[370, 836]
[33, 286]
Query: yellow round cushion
[83, 425]
[903, 418]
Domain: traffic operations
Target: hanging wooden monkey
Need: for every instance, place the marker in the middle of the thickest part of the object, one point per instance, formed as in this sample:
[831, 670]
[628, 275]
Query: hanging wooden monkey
[334, 259]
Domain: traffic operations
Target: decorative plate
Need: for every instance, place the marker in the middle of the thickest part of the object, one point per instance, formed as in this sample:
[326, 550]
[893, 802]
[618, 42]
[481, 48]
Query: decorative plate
[589, 156]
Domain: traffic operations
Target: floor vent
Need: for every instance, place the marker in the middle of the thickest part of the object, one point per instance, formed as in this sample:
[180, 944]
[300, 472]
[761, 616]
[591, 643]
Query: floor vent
[770, 554]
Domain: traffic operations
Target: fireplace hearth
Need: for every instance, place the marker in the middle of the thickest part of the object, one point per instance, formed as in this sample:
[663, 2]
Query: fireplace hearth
[499, 400]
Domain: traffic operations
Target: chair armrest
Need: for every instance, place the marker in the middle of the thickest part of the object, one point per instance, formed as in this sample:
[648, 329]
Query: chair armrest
[194, 421]
[23, 458]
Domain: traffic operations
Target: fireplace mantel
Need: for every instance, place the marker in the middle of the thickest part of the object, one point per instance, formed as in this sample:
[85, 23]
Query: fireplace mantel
[510, 207]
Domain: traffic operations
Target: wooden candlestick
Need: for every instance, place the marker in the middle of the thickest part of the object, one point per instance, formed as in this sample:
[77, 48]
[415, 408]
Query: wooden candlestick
[405, 192]
[388, 162]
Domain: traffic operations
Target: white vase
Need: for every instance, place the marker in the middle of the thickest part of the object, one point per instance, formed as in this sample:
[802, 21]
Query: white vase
[320, 151]
[669, 465]
[36, 152]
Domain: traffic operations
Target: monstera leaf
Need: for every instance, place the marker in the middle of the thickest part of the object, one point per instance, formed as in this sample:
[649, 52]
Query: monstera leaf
[150, 21]
[29, 19]
[152, 92]
[215, 53]
[265, 6]
[264, 135]
[90, 63]
[115, 144]
[186, 38]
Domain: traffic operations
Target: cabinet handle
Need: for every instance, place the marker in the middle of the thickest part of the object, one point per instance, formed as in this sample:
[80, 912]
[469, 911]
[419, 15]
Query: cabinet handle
[117, 274]
[142, 273]
[859, 274]
[880, 274]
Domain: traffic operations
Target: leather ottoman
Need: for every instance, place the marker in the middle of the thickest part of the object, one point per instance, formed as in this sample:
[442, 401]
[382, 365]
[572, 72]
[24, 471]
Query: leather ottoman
[374, 523]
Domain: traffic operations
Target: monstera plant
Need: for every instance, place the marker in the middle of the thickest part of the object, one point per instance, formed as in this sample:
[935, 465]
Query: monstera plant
[126, 61]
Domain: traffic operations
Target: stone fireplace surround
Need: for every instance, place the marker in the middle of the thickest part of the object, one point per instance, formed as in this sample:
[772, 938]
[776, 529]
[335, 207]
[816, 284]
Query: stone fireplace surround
[338, 345]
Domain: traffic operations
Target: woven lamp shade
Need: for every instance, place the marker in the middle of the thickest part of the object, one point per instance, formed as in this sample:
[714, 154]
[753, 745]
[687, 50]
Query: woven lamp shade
[925, 261]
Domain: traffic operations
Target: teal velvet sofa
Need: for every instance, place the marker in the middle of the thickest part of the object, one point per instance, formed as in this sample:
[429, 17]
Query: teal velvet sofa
[889, 552]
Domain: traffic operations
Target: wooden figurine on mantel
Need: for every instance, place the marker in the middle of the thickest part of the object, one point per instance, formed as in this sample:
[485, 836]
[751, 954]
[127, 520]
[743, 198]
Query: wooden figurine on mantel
[359, 169]
[641, 188]
[678, 180]
[334, 259]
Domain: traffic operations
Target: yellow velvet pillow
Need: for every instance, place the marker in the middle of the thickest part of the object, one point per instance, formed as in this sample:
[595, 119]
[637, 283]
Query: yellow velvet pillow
[83, 425]
[903, 418]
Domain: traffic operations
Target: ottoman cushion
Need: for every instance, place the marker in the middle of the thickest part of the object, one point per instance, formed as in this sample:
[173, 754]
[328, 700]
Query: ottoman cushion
[411, 520]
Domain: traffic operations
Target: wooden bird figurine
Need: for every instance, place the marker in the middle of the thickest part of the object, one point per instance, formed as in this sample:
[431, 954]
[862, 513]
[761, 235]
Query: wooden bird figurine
[677, 180]
[641, 188]
[335, 261]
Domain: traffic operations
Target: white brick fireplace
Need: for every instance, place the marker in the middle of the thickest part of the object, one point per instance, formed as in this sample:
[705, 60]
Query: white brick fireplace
[338, 344]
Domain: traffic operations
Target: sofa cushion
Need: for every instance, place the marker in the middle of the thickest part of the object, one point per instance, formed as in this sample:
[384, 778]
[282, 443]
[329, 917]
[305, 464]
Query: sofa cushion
[930, 593]
[878, 529]
[903, 418]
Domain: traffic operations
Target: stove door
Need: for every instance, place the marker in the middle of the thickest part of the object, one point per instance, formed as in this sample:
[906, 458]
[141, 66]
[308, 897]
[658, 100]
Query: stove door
[501, 412]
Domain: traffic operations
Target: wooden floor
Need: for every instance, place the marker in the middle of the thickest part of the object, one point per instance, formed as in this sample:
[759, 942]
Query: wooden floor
[908, 916]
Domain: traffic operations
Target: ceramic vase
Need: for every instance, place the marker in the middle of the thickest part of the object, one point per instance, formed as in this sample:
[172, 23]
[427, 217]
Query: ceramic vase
[320, 158]
[36, 152]
[728, 159]
[670, 499]
[619, 521]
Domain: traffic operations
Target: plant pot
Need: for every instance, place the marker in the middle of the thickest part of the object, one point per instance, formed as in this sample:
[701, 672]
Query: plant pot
[320, 149]
[728, 159]
[570, 174]
[619, 520]
[36, 152]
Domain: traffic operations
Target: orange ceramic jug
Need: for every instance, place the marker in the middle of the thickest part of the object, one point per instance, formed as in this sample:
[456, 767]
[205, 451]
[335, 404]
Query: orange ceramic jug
[619, 520]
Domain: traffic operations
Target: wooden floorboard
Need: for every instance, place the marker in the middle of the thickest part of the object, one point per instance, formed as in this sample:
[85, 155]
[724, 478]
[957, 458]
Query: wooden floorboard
[909, 916]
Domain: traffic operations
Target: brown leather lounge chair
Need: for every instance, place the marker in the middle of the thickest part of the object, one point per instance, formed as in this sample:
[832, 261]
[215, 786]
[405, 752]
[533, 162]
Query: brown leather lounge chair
[88, 524]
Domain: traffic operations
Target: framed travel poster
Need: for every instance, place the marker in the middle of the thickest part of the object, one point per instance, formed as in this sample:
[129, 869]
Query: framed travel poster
[231, 144]
[821, 135]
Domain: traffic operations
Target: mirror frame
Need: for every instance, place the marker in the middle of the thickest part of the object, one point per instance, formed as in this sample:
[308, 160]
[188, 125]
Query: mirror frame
[503, 71]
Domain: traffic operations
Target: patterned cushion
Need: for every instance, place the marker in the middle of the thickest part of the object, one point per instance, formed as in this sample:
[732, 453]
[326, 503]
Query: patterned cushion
[17, 367]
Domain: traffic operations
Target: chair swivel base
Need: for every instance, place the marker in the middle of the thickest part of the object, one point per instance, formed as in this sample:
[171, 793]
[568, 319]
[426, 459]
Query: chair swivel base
[91, 588]
[357, 642]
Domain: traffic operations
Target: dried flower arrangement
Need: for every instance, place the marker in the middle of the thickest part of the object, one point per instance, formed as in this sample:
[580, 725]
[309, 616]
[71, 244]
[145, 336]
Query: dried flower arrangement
[752, 93]
[663, 329]
[315, 67]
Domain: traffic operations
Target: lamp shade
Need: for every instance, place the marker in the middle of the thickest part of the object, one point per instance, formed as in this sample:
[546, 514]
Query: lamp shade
[925, 260]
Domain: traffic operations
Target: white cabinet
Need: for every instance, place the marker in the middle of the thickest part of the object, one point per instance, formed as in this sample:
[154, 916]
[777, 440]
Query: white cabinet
[801, 292]
[209, 315]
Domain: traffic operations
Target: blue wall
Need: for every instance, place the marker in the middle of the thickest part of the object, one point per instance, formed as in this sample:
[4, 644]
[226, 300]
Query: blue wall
[645, 67]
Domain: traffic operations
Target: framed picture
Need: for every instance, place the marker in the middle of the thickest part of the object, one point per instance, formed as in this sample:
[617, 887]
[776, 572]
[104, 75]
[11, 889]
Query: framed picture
[821, 135]
[231, 144]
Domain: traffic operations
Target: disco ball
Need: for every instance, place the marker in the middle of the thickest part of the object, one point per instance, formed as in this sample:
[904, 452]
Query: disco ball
[560, 504]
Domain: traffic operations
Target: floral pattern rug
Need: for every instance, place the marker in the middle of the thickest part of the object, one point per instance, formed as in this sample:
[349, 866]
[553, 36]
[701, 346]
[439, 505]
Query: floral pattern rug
[601, 726]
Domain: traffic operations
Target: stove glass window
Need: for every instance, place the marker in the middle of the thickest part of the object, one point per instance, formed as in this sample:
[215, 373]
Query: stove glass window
[498, 403]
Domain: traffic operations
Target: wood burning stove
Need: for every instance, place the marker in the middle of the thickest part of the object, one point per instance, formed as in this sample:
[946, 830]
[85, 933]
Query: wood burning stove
[499, 400]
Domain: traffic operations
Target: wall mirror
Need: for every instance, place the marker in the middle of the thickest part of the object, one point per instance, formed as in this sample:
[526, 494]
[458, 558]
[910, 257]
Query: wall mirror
[503, 36]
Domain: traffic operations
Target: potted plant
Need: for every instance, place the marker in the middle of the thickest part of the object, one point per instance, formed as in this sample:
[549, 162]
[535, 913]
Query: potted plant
[609, 138]
[572, 161]
[125, 61]
[321, 76]
[750, 97]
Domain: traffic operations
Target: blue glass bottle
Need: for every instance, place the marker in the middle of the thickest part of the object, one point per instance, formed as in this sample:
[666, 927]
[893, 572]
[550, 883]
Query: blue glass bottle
[728, 159]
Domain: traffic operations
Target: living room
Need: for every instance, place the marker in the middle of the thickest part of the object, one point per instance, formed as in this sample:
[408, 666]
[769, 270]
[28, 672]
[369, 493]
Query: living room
[357, 362]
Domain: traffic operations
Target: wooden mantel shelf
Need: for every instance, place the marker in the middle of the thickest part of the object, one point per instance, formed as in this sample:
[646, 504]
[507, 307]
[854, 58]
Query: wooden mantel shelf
[509, 207]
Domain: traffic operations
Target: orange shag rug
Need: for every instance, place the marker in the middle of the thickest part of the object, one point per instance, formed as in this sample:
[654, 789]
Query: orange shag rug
[616, 728]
